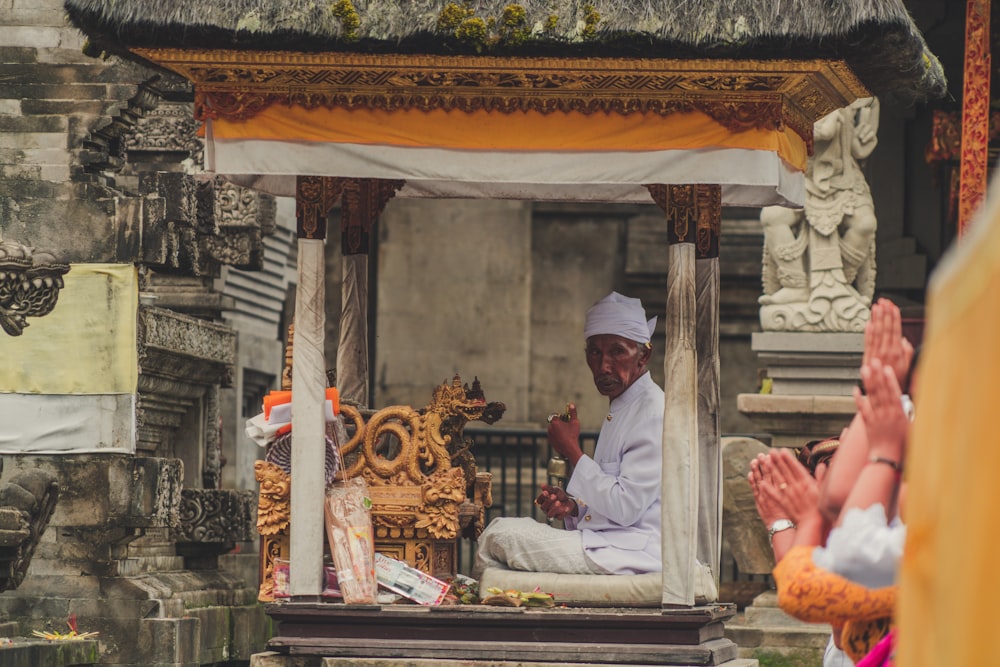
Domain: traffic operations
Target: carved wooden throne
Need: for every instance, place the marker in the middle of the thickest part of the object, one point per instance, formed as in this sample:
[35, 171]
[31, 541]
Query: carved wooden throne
[423, 481]
[426, 491]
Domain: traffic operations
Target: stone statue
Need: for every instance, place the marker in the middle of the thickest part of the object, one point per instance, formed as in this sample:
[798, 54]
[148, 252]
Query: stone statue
[27, 502]
[819, 262]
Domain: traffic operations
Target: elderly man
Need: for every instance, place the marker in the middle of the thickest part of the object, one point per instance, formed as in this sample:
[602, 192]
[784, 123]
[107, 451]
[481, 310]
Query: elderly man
[611, 505]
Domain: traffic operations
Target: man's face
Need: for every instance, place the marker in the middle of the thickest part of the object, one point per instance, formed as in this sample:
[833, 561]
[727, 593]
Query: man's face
[616, 363]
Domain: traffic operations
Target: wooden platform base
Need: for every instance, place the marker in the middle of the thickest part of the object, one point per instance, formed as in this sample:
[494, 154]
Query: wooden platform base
[689, 636]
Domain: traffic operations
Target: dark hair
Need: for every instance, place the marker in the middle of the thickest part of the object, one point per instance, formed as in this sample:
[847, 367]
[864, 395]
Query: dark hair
[816, 452]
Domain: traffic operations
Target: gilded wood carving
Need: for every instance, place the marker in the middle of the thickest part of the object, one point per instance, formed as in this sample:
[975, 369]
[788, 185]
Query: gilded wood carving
[273, 517]
[739, 94]
[422, 479]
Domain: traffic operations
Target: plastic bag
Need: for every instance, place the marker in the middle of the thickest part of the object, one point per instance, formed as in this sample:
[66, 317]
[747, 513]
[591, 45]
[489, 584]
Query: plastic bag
[352, 545]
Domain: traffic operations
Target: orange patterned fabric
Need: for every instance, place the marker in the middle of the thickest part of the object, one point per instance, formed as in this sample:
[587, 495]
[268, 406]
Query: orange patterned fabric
[815, 595]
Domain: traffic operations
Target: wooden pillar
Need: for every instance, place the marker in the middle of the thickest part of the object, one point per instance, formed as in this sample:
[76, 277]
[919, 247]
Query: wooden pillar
[364, 200]
[679, 490]
[314, 197]
[707, 287]
[975, 112]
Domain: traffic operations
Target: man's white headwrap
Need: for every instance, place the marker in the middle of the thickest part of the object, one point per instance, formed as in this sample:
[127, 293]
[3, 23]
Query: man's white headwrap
[619, 315]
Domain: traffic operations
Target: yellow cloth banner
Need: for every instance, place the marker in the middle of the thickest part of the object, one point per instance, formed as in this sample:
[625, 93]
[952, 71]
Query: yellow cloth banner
[948, 580]
[518, 131]
[86, 345]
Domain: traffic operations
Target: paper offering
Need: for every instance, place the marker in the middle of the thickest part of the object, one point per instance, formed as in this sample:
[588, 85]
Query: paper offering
[349, 532]
[409, 582]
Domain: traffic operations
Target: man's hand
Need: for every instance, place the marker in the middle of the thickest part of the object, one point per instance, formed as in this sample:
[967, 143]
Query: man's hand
[556, 503]
[564, 436]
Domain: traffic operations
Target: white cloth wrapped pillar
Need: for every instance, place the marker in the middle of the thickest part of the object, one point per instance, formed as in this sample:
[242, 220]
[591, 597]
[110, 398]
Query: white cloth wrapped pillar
[680, 421]
[308, 425]
[313, 199]
[352, 351]
[364, 200]
[709, 446]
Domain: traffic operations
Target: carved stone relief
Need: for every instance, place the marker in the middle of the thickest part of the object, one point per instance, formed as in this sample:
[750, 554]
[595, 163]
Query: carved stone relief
[819, 262]
[29, 285]
[216, 516]
[168, 128]
[26, 505]
[182, 360]
[196, 226]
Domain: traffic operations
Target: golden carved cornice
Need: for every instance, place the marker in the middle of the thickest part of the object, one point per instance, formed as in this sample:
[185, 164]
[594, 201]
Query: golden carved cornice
[740, 94]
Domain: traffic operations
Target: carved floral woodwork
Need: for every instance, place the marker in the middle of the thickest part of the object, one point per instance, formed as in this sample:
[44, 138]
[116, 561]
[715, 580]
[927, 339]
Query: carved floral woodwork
[364, 201]
[975, 112]
[739, 94]
[315, 196]
[694, 214]
[944, 152]
[30, 281]
[274, 511]
[422, 478]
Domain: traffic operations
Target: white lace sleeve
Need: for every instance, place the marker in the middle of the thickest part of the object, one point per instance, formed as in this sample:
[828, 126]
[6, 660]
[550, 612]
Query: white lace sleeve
[864, 548]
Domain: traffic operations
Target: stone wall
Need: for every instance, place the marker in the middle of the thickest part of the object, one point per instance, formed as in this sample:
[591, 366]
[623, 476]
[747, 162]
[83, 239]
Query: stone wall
[500, 290]
[51, 99]
[96, 167]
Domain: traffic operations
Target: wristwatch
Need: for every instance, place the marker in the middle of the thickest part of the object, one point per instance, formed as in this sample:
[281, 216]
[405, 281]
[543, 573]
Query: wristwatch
[778, 526]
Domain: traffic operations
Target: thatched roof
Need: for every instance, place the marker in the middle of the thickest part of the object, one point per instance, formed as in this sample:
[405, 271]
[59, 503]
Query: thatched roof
[876, 37]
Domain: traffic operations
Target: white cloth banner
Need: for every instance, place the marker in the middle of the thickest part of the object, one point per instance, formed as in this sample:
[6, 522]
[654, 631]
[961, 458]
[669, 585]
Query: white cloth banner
[67, 423]
[748, 177]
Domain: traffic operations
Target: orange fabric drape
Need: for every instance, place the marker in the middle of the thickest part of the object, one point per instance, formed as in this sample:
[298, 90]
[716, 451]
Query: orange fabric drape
[948, 580]
[519, 131]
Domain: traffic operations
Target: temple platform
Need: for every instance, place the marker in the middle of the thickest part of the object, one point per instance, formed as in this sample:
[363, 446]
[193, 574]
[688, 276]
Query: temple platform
[327, 635]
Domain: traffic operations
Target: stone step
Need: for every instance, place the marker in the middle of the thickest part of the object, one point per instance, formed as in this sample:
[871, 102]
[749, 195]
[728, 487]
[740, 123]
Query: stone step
[37, 652]
[801, 645]
[272, 659]
[770, 616]
[811, 636]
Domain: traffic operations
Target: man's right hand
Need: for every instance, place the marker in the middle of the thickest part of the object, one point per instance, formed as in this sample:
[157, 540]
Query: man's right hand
[564, 436]
[556, 503]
